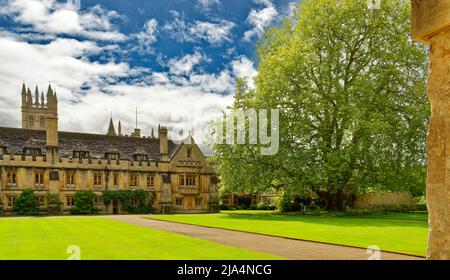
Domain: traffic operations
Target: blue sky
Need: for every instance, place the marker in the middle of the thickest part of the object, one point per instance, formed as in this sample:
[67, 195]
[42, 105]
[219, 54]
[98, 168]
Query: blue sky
[176, 60]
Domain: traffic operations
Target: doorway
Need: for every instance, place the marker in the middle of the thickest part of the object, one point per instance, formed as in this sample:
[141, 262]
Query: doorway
[116, 207]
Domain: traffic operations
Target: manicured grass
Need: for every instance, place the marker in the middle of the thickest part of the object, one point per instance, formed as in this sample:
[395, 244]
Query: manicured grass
[390, 215]
[102, 238]
[369, 215]
[392, 233]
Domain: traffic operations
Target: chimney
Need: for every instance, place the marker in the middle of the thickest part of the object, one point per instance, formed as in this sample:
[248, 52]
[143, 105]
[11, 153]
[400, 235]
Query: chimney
[163, 144]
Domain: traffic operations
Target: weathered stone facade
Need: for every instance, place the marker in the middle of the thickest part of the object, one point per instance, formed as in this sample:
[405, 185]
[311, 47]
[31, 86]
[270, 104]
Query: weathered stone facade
[431, 24]
[39, 157]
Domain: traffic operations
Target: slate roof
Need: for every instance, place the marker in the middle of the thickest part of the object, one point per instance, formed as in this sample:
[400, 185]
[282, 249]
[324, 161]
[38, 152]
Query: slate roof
[15, 139]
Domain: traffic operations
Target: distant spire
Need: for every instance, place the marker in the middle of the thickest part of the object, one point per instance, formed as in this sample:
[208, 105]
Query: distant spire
[111, 130]
[120, 129]
[42, 99]
[36, 93]
[49, 90]
[153, 134]
[29, 98]
[24, 95]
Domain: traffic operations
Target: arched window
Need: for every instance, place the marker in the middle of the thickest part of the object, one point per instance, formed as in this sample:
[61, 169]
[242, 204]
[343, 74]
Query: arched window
[42, 122]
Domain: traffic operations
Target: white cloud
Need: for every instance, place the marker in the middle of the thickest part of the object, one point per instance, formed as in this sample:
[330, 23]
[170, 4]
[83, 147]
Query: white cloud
[166, 98]
[147, 36]
[51, 17]
[184, 71]
[213, 32]
[243, 67]
[260, 19]
[185, 64]
[179, 107]
[90, 90]
[63, 62]
[207, 4]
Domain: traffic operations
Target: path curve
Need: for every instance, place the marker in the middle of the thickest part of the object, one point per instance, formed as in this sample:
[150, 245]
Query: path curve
[284, 247]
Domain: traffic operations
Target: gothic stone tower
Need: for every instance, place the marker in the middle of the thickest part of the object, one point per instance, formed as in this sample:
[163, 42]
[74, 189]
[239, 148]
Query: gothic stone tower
[35, 113]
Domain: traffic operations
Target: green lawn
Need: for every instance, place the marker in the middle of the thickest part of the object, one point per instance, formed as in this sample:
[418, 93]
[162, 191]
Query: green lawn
[390, 232]
[102, 238]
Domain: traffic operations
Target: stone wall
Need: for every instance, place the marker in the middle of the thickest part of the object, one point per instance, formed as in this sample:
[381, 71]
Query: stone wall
[376, 200]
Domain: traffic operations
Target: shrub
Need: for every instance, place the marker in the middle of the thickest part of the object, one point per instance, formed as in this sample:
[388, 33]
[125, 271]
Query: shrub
[265, 206]
[224, 207]
[290, 203]
[54, 205]
[26, 203]
[241, 207]
[84, 203]
[244, 201]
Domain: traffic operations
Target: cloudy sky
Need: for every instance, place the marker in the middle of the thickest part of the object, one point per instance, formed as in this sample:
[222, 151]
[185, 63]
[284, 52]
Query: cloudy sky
[175, 60]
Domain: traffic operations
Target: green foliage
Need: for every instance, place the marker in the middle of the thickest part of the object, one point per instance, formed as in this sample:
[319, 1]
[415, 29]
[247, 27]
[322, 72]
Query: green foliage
[224, 207]
[143, 199]
[84, 203]
[54, 205]
[26, 203]
[244, 201]
[353, 109]
[265, 206]
[287, 203]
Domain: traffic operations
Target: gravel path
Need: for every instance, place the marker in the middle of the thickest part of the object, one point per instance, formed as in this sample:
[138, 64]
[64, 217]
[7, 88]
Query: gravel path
[284, 247]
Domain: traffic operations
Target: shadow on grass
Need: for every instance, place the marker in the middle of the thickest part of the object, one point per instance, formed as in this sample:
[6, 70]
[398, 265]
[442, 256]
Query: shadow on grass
[326, 220]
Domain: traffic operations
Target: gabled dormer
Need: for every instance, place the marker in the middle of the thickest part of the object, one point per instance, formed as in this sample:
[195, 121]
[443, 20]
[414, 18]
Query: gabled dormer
[80, 151]
[140, 155]
[112, 154]
[32, 148]
[3, 147]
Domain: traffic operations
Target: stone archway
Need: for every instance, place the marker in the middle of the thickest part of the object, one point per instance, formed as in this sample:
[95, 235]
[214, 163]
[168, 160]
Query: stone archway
[430, 22]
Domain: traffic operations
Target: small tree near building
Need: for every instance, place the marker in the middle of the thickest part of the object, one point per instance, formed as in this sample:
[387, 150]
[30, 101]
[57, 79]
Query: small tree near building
[84, 203]
[26, 203]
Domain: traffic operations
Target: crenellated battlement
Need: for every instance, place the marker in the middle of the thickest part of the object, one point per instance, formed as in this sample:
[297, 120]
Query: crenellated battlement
[78, 163]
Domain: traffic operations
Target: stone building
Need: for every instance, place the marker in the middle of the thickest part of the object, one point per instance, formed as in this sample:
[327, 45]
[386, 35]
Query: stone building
[40, 157]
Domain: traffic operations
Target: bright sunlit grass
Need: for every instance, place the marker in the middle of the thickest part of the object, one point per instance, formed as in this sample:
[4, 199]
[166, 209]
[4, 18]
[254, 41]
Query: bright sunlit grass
[390, 232]
[101, 238]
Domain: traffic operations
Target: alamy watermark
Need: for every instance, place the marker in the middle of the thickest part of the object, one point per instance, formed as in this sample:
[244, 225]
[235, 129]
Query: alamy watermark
[74, 252]
[374, 253]
[215, 126]
[263, 129]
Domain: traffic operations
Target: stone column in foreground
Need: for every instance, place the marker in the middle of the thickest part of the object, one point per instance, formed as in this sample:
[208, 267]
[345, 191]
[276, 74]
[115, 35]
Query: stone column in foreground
[431, 25]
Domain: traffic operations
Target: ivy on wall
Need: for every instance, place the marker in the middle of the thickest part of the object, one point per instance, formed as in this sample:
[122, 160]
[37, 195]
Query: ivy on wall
[54, 205]
[133, 201]
[84, 203]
